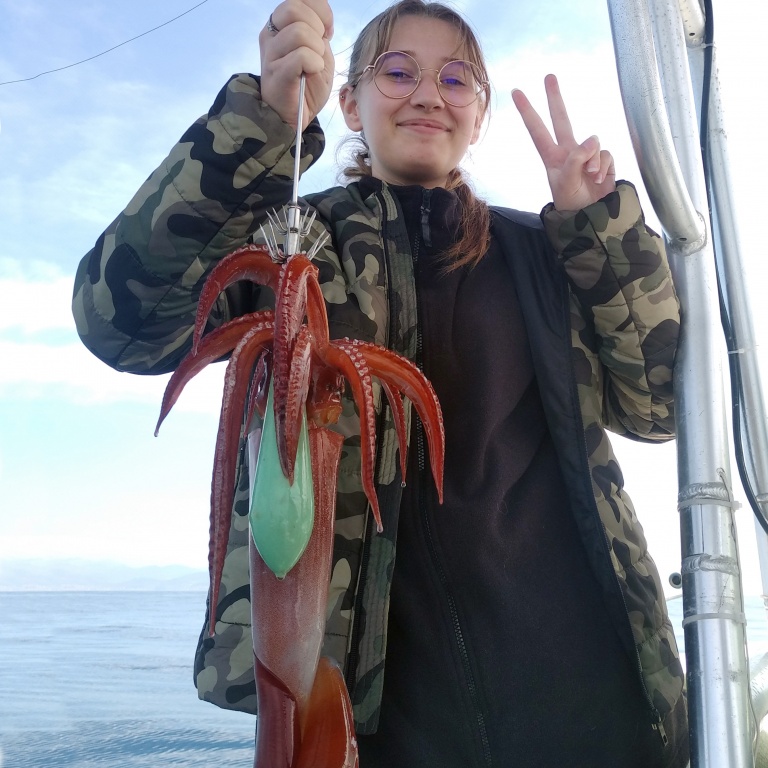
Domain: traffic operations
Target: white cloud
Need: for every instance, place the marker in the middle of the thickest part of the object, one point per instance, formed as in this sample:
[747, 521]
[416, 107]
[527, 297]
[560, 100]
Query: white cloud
[33, 306]
[34, 368]
[131, 527]
[69, 373]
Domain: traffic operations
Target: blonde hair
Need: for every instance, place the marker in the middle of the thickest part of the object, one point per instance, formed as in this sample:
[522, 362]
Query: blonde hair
[475, 224]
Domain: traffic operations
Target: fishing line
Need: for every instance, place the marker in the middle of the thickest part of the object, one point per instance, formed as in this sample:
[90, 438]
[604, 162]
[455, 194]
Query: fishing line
[114, 47]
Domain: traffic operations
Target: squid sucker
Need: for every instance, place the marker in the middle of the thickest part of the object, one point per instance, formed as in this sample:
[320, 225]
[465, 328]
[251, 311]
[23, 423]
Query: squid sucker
[284, 365]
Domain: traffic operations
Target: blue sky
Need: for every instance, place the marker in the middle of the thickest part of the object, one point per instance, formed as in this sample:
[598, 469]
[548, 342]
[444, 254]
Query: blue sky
[81, 474]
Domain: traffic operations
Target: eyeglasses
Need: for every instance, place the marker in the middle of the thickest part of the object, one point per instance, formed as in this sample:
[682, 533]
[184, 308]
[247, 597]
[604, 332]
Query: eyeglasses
[397, 75]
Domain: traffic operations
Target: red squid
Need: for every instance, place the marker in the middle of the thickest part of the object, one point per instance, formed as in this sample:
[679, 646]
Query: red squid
[305, 715]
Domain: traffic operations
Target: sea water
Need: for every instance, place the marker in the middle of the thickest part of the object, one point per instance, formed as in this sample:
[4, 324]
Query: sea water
[104, 680]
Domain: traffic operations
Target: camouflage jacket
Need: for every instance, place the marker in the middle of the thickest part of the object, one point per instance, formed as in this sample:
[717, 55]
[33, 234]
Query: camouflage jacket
[598, 304]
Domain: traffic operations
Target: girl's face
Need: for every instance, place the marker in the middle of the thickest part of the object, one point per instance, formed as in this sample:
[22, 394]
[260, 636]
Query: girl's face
[419, 139]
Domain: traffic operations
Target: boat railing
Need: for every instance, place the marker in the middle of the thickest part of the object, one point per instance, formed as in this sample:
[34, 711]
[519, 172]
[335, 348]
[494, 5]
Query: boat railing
[667, 73]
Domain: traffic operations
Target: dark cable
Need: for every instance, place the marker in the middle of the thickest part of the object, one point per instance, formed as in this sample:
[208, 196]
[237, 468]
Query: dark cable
[734, 363]
[96, 56]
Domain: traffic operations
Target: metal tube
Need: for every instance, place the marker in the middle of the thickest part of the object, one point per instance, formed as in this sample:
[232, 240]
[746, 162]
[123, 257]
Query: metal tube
[292, 242]
[712, 600]
[648, 128]
[692, 17]
[713, 607]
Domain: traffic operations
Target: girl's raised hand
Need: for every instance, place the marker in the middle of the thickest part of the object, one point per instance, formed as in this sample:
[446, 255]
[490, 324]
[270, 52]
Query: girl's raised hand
[579, 174]
[301, 44]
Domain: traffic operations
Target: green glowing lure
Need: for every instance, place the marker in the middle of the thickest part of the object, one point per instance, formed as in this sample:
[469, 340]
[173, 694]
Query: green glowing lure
[282, 515]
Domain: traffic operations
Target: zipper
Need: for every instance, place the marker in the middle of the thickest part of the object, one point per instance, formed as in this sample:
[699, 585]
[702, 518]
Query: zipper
[419, 356]
[426, 206]
[424, 512]
[353, 657]
[454, 616]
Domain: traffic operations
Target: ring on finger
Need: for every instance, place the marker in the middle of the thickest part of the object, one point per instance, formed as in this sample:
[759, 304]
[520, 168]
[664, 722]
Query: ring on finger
[271, 25]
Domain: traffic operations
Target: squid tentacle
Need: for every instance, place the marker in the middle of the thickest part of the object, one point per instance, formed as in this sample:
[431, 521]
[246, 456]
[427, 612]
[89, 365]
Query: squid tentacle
[290, 310]
[317, 316]
[236, 381]
[214, 346]
[407, 378]
[278, 735]
[297, 389]
[250, 262]
[257, 396]
[346, 358]
[328, 737]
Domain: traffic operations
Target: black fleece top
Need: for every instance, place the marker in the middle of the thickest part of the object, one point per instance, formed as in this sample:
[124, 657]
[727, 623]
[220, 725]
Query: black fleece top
[500, 651]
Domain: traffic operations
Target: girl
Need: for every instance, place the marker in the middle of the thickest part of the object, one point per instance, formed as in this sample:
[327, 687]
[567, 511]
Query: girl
[523, 621]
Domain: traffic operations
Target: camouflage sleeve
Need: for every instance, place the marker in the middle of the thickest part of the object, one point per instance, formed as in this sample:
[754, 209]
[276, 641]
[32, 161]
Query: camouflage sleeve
[136, 292]
[619, 275]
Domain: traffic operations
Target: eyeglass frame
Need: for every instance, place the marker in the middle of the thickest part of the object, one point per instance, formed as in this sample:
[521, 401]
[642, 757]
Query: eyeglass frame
[482, 84]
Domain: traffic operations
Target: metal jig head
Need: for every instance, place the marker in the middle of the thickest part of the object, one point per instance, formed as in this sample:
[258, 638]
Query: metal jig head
[293, 225]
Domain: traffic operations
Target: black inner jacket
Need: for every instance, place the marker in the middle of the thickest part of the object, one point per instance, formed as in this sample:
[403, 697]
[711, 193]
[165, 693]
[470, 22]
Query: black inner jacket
[500, 650]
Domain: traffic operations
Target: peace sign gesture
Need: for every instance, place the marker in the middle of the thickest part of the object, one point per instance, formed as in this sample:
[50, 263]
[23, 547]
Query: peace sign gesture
[579, 174]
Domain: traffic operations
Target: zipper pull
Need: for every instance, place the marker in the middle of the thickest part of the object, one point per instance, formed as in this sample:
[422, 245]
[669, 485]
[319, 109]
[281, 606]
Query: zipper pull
[425, 209]
[659, 728]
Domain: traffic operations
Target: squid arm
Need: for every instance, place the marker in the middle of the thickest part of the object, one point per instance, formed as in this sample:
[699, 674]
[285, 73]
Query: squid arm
[236, 385]
[296, 391]
[250, 262]
[290, 310]
[408, 379]
[214, 346]
[350, 363]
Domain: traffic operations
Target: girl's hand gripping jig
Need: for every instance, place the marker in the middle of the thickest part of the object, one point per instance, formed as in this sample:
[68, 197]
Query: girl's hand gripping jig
[296, 41]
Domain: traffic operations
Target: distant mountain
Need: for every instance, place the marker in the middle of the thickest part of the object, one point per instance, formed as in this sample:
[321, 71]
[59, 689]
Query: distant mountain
[88, 575]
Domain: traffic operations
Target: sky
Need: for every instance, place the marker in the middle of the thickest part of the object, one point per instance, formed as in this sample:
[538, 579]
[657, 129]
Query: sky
[81, 475]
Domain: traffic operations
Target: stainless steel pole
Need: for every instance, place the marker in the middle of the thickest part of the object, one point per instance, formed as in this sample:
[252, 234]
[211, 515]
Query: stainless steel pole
[717, 673]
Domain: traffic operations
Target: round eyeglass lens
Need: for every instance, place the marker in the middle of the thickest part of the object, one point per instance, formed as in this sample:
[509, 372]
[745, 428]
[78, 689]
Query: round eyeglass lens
[459, 83]
[397, 75]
